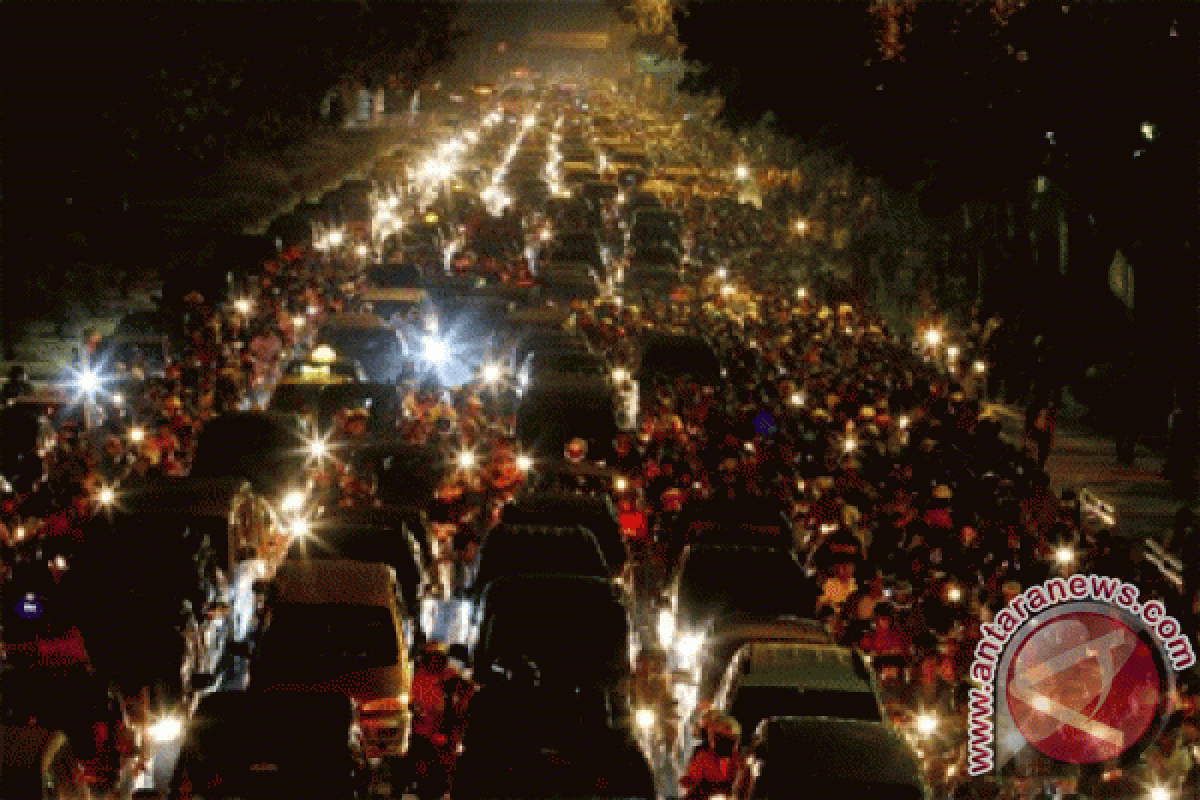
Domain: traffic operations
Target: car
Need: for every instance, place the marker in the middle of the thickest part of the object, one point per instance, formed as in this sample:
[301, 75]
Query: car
[324, 366]
[268, 745]
[566, 630]
[395, 275]
[555, 411]
[541, 365]
[665, 358]
[569, 281]
[366, 339]
[798, 679]
[819, 757]
[370, 536]
[729, 636]
[530, 549]
[595, 512]
[578, 246]
[336, 625]
[712, 584]
[550, 742]
[150, 353]
[266, 448]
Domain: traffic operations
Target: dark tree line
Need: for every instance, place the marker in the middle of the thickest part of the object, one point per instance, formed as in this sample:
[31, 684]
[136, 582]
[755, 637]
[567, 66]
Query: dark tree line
[112, 107]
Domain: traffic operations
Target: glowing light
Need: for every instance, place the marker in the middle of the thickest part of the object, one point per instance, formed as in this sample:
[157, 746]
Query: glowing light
[722, 273]
[492, 374]
[666, 626]
[952, 352]
[689, 646]
[293, 501]
[801, 293]
[849, 445]
[299, 321]
[318, 449]
[954, 594]
[299, 527]
[742, 172]
[979, 366]
[106, 496]
[435, 350]
[336, 238]
[902, 422]
[620, 374]
[1148, 131]
[1064, 555]
[88, 381]
[324, 353]
[645, 718]
[362, 250]
[797, 398]
[926, 723]
[137, 434]
[166, 728]
[620, 483]
[801, 226]
[933, 337]
[466, 459]
[117, 398]
[728, 290]
[1158, 793]
[524, 463]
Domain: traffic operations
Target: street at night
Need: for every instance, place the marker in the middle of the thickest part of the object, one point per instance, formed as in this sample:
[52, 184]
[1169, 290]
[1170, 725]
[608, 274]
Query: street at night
[600, 399]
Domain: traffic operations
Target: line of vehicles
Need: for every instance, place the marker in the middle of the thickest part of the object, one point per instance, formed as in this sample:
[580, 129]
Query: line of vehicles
[301, 621]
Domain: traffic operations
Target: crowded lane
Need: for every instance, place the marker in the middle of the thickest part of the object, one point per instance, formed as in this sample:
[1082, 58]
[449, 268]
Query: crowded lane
[515, 472]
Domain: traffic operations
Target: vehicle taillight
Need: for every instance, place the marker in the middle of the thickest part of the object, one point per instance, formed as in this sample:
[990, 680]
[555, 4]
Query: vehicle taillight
[385, 705]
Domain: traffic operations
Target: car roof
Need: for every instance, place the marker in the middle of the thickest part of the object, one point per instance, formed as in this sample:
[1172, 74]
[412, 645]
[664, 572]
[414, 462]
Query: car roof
[355, 320]
[808, 664]
[333, 581]
[825, 747]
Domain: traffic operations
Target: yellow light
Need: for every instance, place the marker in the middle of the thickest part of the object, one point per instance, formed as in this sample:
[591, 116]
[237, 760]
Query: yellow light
[117, 398]
[242, 305]
[979, 366]
[335, 238]
[952, 352]
[849, 445]
[106, 496]
[742, 172]
[954, 594]
[801, 293]
[318, 448]
[324, 353]
[728, 290]
[926, 723]
[299, 321]
[491, 373]
[1159, 793]
[431, 219]
[645, 718]
[524, 463]
[902, 422]
[466, 459]
[166, 728]
[293, 501]
[797, 398]
[801, 225]
[137, 434]
[620, 483]
[362, 251]
[933, 337]
[1064, 556]
[620, 374]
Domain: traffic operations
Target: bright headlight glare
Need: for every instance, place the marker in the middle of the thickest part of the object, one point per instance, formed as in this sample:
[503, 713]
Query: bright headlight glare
[466, 459]
[88, 381]
[524, 463]
[318, 448]
[293, 501]
[435, 350]
[300, 527]
[645, 718]
[666, 626]
[137, 434]
[106, 496]
[620, 374]
[166, 728]
[491, 373]
[688, 647]
[926, 723]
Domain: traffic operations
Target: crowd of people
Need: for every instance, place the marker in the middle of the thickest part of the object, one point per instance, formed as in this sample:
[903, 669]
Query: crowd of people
[917, 518]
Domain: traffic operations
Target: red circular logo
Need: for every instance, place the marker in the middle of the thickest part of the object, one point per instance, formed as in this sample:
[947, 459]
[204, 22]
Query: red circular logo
[1084, 687]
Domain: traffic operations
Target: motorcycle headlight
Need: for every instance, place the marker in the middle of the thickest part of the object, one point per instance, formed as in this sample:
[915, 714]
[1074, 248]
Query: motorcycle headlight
[666, 626]
[166, 728]
[293, 501]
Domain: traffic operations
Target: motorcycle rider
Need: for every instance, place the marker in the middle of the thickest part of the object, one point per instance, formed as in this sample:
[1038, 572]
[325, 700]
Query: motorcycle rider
[437, 692]
[713, 767]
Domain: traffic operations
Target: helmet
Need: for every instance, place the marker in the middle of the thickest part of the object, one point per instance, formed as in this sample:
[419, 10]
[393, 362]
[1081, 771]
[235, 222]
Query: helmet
[576, 450]
[722, 724]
